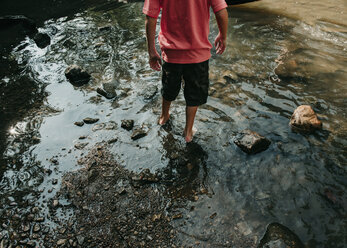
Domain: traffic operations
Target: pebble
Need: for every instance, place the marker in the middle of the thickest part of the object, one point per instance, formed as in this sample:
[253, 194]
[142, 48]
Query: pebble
[25, 228]
[40, 219]
[54, 181]
[30, 217]
[80, 146]
[89, 120]
[177, 216]
[55, 203]
[36, 228]
[127, 124]
[80, 239]
[79, 123]
[61, 242]
[35, 210]
[111, 141]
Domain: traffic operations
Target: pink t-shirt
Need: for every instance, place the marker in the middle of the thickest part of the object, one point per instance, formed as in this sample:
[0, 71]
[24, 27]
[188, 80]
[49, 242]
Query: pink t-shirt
[184, 28]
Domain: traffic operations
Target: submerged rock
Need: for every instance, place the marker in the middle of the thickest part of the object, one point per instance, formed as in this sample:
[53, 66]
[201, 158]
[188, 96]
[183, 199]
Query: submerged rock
[127, 124]
[108, 90]
[251, 142]
[76, 75]
[138, 133]
[305, 119]
[150, 92]
[278, 236]
[42, 40]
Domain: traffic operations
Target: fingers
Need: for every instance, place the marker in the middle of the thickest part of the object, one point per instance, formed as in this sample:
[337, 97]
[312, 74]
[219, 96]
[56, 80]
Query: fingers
[220, 47]
[155, 64]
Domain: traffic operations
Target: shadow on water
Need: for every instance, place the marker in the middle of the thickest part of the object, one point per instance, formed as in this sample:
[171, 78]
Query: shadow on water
[272, 65]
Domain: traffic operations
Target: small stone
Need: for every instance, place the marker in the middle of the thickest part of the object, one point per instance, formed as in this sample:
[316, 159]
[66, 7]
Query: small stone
[13, 204]
[61, 242]
[54, 161]
[156, 217]
[16, 217]
[127, 124]
[76, 75]
[105, 28]
[82, 137]
[79, 123]
[111, 141]
[89, 120]
[80, 239]
[305, 119]
[62, 230]
[36, 228]
[54, 181]
[55, 203]
[40, 219]
[213, 215]
[251, 142]
[26, 228]
[177, 216]
[30, 217]
[80, 146]
[31, 243]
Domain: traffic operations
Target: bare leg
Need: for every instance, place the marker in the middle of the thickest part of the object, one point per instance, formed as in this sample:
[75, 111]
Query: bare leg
[190, 116]
[165, 115]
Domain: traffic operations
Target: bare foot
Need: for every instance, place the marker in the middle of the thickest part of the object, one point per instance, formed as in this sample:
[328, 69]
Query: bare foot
[188, 136]
[163, 119]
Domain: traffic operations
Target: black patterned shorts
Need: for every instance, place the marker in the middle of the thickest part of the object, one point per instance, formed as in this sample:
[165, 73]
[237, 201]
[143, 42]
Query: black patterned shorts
[196, 82]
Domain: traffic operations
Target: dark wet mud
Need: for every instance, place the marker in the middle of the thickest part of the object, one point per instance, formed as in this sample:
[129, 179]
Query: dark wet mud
[103, 183]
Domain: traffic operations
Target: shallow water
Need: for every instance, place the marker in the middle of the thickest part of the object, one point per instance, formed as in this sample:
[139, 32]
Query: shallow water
[272, 64]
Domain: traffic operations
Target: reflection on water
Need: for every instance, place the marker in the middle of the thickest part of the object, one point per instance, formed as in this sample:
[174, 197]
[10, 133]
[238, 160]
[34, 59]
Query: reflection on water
[272, 65]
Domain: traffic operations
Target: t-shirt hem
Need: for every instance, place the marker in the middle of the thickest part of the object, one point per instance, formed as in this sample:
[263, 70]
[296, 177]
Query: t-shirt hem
[150, 13]
[187, 61]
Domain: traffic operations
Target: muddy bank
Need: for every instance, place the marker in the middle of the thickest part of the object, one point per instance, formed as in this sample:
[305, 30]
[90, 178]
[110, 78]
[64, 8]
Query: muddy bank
[111, 207]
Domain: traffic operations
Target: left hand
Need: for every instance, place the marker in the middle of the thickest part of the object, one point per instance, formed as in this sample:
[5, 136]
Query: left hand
[220, 43]
[155, 61]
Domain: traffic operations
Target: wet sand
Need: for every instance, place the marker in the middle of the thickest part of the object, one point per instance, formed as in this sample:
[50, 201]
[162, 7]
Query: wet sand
[333, 11]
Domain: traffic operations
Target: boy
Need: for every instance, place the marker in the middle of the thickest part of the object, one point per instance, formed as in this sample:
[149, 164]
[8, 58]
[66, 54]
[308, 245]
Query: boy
[185, 47]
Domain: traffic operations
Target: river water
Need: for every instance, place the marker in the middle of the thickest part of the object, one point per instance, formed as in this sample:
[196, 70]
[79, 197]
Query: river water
[279, 56]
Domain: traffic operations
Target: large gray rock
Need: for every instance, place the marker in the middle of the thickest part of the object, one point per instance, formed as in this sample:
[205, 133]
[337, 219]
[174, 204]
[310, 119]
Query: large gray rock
[305, 119]
[251, 142]
[279, 236]
[42, 40]
[76, 75]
